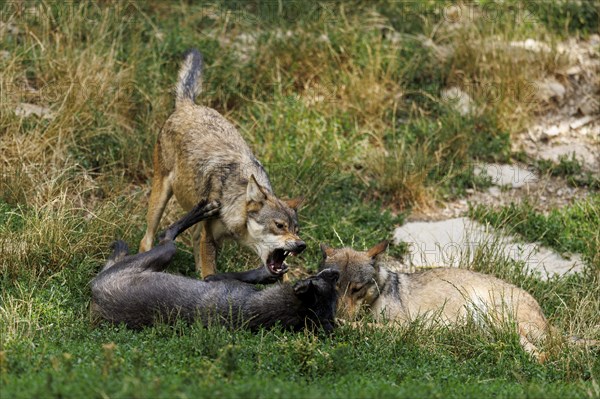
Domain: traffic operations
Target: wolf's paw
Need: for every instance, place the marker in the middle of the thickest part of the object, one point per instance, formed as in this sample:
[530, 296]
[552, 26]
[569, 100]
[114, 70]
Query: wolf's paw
[273, 278]
[217, 277]
[205, 209]
[260, 275]
[212, 208]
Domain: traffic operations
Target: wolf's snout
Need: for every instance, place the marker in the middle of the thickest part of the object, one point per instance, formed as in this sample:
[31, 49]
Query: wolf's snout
[299, 246]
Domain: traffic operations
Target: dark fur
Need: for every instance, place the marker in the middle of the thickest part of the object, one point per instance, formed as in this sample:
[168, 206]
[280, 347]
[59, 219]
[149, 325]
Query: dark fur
[134, 290]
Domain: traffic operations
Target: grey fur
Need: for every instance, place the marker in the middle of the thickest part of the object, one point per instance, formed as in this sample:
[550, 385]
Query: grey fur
[189, 82]
[199, 155]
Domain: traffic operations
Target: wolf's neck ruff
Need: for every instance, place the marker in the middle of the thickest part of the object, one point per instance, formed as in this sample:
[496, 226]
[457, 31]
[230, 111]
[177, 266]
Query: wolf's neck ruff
[387, 283]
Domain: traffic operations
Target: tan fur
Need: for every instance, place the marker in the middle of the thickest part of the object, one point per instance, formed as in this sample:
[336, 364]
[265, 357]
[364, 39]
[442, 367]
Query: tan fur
[199, 155]
[439, 295]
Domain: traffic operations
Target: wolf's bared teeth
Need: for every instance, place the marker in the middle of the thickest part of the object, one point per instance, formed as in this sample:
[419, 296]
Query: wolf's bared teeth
[286, 253]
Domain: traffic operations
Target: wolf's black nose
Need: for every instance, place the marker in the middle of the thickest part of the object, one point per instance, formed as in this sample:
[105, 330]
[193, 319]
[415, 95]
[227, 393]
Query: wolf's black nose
[300, 246]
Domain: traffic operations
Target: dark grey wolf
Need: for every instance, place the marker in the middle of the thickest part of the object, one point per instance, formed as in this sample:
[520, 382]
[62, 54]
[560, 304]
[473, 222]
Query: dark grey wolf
[439, 295]
[133, 289]
[199, 156]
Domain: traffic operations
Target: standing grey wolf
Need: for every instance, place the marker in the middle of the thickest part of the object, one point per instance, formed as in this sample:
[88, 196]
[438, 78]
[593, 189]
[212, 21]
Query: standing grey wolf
[134, 290]
[199, 155]
[445, 295]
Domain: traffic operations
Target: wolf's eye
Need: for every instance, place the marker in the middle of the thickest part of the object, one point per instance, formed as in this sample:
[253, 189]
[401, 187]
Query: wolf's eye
[279, 225]
[355, 289]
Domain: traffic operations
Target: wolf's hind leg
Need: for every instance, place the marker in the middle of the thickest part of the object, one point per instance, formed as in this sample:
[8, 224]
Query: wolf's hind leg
[527, 333]
[532, 349]
[157, 259]
[203, 210]
[120, 251]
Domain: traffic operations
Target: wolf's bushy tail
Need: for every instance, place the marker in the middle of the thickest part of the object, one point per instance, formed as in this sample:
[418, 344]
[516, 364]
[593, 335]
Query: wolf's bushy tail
[120, 250]
[189, 83]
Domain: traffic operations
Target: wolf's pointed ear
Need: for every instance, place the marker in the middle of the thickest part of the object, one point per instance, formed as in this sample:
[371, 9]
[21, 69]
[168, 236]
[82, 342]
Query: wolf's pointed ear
[377, 249]
[254, 191]
[294, 203]
[302, 287]
[330, 275]
[326, 250]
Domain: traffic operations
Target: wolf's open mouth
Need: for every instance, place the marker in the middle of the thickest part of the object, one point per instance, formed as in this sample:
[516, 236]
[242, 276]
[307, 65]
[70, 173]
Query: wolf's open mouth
[276, 260]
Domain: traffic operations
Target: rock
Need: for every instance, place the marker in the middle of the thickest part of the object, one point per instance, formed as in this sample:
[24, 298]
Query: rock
[494, 191]
[576, 124]
[459, 100]
[587, 156]
[25, 110]
[589, 106]
[323, 38]
[4, 55]
[531, 45]
[574, 70]
[506, 175]
[9, 27]
[455, 241]
[441, 52]
[556, 130]
[550, 88]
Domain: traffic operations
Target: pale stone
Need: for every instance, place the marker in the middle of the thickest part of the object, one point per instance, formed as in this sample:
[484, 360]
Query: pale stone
[506, 175]
[455, 241]
[460, 100]
[25, 110]
[531, 45]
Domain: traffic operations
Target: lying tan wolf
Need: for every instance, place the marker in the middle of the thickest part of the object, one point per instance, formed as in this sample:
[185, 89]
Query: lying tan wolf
[199, 156]
[443, 295]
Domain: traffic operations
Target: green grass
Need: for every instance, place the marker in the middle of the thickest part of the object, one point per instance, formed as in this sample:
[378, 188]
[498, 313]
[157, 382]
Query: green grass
[574, 229]
[192, 361]
[341, 101]
[571, 169]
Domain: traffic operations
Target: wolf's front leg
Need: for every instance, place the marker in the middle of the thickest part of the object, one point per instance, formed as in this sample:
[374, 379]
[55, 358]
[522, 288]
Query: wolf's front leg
[205, 250]
[158, 258]
[260, 275]
[159, 197]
